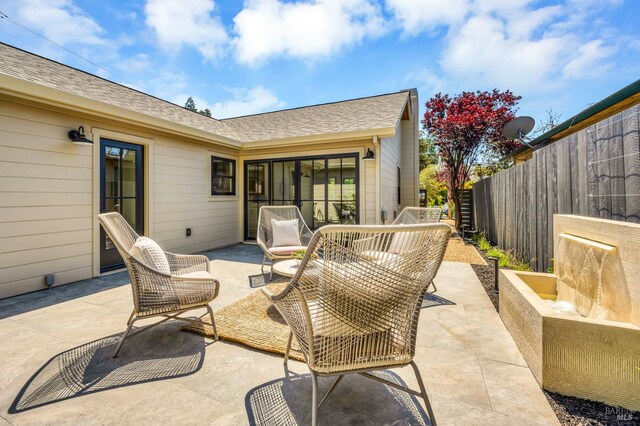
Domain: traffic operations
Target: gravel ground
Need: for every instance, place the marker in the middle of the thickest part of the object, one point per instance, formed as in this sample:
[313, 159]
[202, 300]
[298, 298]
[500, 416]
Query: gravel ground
[570, 411]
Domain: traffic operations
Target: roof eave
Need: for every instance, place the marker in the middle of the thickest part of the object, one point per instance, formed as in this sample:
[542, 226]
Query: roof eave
[321, 138]
[24, 89]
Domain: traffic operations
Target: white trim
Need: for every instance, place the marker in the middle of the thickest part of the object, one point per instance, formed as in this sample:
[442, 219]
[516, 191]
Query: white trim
[54, 97]
[147, 144]
[378, 153]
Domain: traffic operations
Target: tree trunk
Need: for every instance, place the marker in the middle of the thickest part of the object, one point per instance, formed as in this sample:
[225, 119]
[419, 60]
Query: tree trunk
[456, 205]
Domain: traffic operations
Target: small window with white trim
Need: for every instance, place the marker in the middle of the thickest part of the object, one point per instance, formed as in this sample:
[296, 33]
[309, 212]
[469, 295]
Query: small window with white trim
[223, 176]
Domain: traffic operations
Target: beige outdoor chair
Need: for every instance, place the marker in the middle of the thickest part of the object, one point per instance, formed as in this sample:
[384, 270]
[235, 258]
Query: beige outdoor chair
[411, 215]
[265, 233]
[185, 284]
[354, 313]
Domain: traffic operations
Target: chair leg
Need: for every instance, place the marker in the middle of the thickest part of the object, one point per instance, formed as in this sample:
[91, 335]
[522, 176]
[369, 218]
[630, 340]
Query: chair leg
[213, 322]
[286, 352]
[432, 283]
[314, 399]
[423, 391]
[333, 386]
[124, 336]
[271, 273]
[264, 258]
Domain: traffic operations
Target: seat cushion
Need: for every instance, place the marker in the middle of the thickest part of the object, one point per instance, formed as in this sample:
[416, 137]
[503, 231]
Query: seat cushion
[151, 254]
[403, 241]
[196, 274]
[378, 256]
[284, 250]
[285, 233]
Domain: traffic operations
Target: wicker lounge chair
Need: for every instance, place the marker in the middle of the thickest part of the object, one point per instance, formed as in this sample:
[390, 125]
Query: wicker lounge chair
[411, 215]
[352, 313]
[265, 233]
[186, 284]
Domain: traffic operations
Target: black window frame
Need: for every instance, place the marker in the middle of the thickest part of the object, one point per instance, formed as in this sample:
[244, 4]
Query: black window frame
[233, 176]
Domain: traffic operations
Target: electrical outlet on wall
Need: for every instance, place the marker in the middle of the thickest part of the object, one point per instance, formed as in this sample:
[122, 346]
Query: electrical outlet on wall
[49, 280]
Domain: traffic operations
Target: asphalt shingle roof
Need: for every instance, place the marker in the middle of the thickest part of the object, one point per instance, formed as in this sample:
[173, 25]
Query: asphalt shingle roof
[382, 111]
[375, 112]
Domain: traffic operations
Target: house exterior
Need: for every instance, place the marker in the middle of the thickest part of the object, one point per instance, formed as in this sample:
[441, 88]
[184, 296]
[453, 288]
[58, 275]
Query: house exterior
[188, 181]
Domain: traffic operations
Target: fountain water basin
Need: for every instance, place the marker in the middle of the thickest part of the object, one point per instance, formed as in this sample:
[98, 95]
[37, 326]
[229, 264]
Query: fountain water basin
[579, 328]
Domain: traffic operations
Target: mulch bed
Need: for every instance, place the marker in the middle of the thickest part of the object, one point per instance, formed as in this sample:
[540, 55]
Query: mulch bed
[570, 411]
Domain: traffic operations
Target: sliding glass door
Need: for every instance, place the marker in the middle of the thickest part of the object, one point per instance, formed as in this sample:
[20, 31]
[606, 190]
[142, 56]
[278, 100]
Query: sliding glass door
[324, 188]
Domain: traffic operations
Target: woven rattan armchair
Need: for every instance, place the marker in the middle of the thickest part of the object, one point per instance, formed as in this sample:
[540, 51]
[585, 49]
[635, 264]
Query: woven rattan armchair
[411, 215]
[353, 313]
[188, 286]
[265, 233]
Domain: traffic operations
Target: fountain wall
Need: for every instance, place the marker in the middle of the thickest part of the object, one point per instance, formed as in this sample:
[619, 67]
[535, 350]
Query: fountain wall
[593, 349]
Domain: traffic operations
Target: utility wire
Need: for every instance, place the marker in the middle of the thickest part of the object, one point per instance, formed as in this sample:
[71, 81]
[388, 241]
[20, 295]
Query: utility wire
[24, 27]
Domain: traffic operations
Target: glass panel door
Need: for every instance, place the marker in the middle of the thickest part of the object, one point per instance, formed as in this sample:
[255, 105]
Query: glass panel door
[307, 204]
[284, 183]
[256, 195]
[122, 191]
[324, 188]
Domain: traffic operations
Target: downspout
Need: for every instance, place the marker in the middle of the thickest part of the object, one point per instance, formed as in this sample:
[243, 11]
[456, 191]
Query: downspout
[377, 150]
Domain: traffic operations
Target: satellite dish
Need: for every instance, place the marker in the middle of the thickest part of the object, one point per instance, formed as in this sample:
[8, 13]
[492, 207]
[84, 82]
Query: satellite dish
[518, 127]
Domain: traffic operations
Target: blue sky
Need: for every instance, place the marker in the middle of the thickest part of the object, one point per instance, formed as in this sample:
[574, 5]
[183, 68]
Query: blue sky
[244, 57]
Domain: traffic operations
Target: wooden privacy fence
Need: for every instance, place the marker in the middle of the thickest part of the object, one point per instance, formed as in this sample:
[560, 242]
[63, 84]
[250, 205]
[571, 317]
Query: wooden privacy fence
[593, 172]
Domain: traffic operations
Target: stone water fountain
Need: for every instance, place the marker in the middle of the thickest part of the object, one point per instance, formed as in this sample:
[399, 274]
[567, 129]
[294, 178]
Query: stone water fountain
[579, 328]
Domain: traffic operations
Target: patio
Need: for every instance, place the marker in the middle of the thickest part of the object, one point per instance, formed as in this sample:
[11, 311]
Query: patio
[56, 364]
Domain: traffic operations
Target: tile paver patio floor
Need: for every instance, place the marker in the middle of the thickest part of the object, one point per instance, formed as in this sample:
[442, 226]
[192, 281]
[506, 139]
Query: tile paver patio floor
[55, 365]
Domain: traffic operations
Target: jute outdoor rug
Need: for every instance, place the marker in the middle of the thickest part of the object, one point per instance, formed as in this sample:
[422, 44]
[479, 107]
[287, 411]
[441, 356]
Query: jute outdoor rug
[251, 321]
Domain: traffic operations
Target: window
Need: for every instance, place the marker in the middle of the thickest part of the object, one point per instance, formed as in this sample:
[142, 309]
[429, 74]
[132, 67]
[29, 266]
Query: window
[223, 176]
[399, 202]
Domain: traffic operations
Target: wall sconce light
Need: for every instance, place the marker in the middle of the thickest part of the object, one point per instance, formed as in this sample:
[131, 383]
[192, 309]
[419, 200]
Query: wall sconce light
[369, 155]
[77, 137]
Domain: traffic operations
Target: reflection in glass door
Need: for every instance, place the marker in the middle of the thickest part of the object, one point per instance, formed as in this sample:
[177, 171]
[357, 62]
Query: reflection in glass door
[285, 183]
[122, 191]
[341, 190]
[256, 195]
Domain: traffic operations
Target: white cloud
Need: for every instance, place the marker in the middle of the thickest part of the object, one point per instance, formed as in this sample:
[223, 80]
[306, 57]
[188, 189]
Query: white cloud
[308, 29]
[176, 24]
[484, 53]
[135, 64]
[245, 101]
[513, 45]
[426, 81]
[589, 60]
[58, 20]
[416, 16]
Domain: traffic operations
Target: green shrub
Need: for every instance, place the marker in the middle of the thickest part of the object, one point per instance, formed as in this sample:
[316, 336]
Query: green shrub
[550, 268]
[504, 262]
[495, 252]
[522, 266]
[483, 244]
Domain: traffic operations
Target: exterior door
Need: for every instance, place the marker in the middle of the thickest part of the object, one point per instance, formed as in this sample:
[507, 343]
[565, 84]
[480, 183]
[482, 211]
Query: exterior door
[256, 177]
[325, 188]
[122, 191]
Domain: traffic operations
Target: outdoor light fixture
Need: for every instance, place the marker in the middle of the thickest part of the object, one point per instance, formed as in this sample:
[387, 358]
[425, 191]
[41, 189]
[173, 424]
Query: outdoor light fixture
[77, 137]
[369, 155]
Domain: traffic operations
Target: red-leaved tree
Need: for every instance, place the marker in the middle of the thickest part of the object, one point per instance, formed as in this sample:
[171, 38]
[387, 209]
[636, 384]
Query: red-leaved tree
[467, 128]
